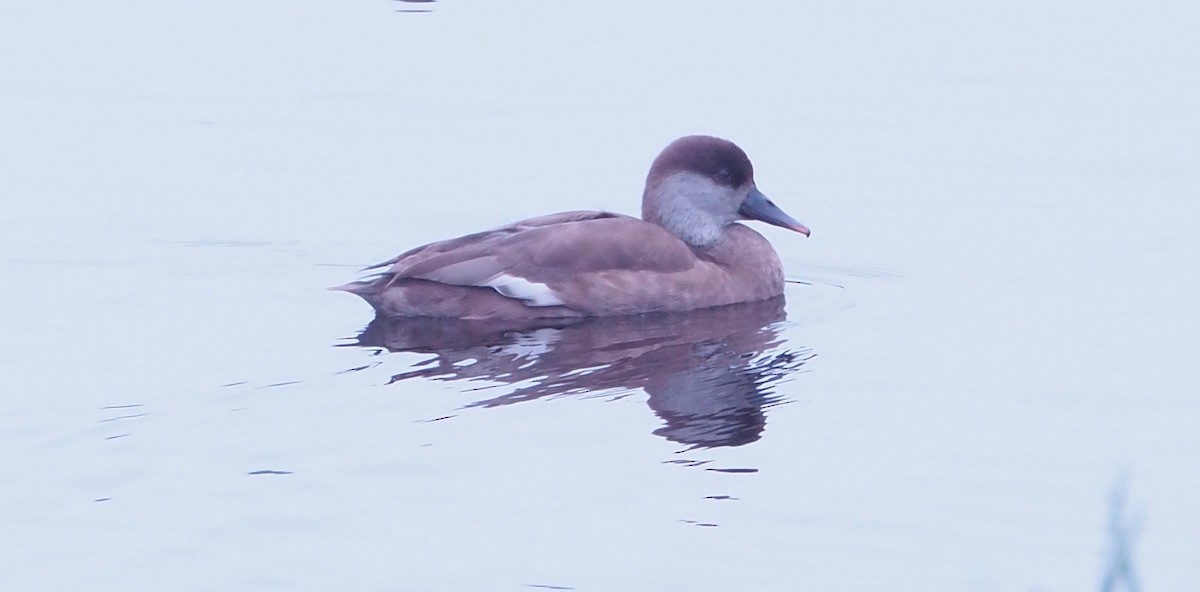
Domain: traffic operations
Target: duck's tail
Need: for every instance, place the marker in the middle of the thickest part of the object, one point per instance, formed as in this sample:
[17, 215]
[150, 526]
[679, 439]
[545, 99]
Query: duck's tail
[360, 288]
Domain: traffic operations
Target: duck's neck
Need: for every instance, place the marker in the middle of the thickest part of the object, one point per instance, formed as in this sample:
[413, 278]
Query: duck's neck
[699, 232]
[672, 203]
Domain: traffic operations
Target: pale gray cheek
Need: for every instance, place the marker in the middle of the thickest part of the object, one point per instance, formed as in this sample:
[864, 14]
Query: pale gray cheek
[695, 208]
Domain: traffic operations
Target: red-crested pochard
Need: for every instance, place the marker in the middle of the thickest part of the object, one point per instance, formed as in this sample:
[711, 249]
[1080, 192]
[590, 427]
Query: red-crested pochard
[688, 251]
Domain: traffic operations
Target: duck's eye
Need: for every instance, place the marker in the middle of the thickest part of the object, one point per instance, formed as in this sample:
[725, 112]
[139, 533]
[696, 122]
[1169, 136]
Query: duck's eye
[725, 174]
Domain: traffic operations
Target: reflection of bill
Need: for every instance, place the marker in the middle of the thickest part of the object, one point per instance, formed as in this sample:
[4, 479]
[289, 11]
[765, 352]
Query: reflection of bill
[709, 373]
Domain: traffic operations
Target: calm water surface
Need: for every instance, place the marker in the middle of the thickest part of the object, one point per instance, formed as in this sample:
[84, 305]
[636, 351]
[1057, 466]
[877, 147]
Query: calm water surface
[982, 377]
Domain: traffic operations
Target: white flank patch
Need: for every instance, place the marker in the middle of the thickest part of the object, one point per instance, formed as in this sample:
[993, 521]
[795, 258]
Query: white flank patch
[531, 293]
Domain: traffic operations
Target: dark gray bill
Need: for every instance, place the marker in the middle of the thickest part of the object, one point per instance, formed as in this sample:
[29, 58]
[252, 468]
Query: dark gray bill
[756, 206]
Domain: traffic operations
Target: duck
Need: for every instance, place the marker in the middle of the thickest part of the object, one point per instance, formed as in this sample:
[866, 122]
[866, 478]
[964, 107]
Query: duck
[688, 251]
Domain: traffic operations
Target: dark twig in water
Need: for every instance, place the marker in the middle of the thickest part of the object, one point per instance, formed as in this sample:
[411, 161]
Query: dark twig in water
[1122, 531]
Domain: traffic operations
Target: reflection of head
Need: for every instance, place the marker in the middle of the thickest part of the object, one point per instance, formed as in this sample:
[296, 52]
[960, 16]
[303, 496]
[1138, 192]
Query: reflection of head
[711, 406]
[708, 373]
[721, 403]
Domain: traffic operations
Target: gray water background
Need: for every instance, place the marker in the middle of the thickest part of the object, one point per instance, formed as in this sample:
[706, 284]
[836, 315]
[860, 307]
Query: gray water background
[994, 321]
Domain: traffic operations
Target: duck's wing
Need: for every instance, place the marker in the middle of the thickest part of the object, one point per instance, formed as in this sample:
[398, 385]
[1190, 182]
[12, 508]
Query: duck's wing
[535, 260]
[406, 259]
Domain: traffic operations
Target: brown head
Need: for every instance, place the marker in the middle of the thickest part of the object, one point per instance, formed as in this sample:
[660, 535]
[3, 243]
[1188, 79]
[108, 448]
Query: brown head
[699, 185]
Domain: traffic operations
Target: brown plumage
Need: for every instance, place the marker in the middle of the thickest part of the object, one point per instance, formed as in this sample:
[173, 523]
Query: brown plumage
[687, 252]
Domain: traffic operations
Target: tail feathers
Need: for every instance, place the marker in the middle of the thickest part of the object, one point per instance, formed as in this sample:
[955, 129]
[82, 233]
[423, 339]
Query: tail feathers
[382, 264]
[359, 288]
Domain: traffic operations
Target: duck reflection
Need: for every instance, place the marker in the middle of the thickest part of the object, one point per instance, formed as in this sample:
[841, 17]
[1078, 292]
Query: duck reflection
[709, 374]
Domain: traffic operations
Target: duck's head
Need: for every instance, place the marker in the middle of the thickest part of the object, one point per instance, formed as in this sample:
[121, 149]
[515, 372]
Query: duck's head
[699, 185]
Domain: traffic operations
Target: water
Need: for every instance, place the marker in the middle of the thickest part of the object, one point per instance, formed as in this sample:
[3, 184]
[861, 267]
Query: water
[994, 320]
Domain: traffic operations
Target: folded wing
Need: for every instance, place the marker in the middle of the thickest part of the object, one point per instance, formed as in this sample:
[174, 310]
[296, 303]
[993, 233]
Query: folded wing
[537, 260]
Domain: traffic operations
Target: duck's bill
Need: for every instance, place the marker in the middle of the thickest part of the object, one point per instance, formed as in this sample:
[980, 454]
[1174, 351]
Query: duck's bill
[756, 206]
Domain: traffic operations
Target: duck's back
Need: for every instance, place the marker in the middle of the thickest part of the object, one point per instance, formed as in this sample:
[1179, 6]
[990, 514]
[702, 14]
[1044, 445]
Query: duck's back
[561, 265]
